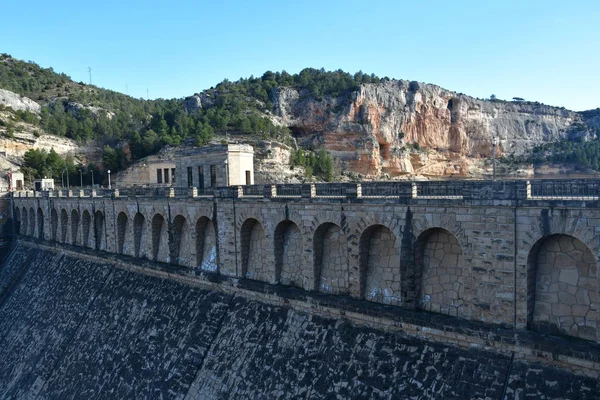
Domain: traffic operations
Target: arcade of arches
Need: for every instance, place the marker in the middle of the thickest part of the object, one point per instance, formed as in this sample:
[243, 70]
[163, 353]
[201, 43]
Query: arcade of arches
[562, 281]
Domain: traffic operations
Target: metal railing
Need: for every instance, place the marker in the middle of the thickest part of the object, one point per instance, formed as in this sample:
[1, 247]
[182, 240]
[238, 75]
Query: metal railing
[579, 189]
[289, 190]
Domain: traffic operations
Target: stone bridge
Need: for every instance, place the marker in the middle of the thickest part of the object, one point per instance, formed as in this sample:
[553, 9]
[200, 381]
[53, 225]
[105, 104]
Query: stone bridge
[519, 254]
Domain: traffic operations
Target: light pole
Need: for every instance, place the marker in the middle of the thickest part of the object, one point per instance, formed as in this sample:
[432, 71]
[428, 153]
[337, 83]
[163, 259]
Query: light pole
[81, 178]
[62, 180]
[92, 172]
[494, 144]
[62, 176]
[226, 172]
[108, 179]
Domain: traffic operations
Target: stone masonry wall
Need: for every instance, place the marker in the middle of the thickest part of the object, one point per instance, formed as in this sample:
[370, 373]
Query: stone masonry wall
[367, 248]
[75, 326]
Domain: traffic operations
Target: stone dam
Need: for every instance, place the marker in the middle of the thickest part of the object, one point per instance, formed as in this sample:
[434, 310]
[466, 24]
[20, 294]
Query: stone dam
[434, 290]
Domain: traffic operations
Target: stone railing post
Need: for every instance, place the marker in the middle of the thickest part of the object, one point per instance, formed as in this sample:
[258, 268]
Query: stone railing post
[309, 190]
[193, 192]
[524, 190]
[170, 192]
[69, 193]
[414, 192]
[237, 191]
[270, 191]
[116, 193]
[93, 193]
[81, 193]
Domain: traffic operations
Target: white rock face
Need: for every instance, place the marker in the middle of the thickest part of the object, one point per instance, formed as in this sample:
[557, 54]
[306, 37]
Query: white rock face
[18, 102]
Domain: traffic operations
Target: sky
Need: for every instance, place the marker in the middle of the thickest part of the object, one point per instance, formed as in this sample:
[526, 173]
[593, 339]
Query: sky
[546, 51]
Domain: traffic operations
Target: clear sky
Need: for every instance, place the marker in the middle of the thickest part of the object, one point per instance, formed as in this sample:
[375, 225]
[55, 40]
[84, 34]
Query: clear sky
[544, 50]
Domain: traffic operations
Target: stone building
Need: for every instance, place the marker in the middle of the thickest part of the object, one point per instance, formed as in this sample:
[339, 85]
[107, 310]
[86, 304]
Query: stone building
[16, 180]
[217, 165]
[161, 171]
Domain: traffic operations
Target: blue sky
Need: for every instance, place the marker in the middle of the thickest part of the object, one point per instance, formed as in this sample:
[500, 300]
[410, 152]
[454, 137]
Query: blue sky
[547, 51]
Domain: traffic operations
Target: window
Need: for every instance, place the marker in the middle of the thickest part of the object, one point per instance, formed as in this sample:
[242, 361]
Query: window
[173, 175]
[190, 177]
[248, 178]
[201, 177]
[213, 175]
[166, 175]
[159, 175]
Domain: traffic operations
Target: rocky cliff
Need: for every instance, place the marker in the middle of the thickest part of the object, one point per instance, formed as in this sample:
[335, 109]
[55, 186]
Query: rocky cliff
[377, 129]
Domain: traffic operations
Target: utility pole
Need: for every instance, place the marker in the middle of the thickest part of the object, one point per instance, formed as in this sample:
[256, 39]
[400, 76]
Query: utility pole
[90, 72]
[494, 144]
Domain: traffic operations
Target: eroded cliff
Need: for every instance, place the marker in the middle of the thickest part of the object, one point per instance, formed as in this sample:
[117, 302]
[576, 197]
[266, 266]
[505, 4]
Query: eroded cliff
[380, 128]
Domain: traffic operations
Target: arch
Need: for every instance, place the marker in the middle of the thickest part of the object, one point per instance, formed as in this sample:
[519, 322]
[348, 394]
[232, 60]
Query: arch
[122, 221]
[180, 233]
[86, 222]
[253, 250]
[40, 223]
[99, 230]
[288, 254]
[25, 222]
[138, 233]
[206, 245]
[379, 259]
[159, 229]
[54, 224]
[440, 272]
[17, 213]
[64, 224]
[562, 287]
[74, 226]
[330, 253]
[31, 220]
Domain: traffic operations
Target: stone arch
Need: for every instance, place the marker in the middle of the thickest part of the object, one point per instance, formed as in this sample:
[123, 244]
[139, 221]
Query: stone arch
[138, 233]
[54, 224]
[74, 226]
[440, 272]
[122, 223]
[206, 245]
[40, 222]
[17, 213]
[159, 241]
[31, 220]
[288, 254]
[64, 225]
[86, 222]
[99, 230]
[254, 247]
[379, 259]
[330, 256]
[25, 222]
[562, 283]
[180, 233]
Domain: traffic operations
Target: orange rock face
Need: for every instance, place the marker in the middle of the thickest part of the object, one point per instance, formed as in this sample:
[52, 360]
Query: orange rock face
[376, 129]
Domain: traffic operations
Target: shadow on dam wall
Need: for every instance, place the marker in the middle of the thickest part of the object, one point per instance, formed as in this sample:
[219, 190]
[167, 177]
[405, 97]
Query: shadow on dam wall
[79, 327]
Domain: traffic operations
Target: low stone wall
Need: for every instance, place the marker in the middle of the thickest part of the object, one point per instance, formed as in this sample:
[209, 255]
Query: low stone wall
[79, 325]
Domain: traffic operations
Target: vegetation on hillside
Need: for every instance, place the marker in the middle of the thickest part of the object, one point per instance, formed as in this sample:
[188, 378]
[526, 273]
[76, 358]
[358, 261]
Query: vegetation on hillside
[129, 129]
[582, 153]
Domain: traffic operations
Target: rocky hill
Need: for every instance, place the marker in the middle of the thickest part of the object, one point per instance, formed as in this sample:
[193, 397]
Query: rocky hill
[373, 127]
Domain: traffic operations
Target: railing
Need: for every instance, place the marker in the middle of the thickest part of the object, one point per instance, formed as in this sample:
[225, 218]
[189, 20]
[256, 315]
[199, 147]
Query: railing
[445, 190]
[254, 190]
[576, 189]
[288, 190]
[547, 190]
[330, 190]
[386, 189]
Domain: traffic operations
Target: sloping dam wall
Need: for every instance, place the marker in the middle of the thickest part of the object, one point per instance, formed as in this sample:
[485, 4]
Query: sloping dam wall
[77, 326]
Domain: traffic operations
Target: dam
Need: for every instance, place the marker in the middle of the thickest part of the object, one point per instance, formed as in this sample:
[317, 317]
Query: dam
[362, 290]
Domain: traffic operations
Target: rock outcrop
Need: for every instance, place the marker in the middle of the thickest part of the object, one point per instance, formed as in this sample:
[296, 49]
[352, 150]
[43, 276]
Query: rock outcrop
[377, 129]
[18, 102]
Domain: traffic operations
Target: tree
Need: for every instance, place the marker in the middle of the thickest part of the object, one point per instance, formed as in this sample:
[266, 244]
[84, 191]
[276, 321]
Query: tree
[493, 97]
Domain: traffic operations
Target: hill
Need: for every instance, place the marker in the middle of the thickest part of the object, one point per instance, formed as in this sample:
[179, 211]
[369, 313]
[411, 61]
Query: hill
[373, 127]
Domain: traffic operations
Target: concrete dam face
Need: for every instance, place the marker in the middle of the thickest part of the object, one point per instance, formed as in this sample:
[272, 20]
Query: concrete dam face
[80, 325]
